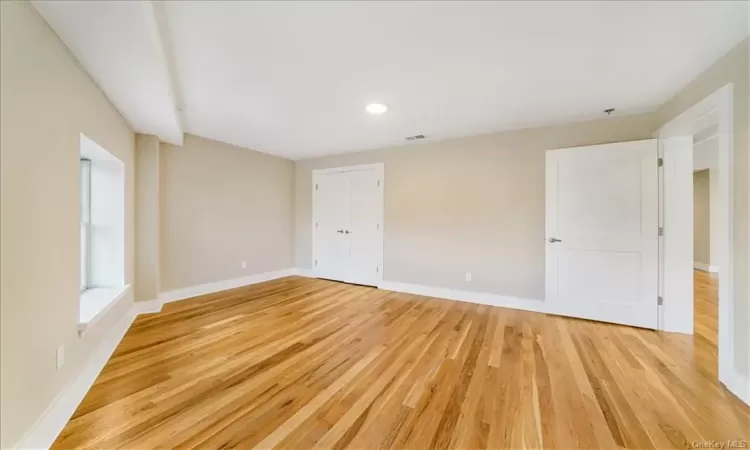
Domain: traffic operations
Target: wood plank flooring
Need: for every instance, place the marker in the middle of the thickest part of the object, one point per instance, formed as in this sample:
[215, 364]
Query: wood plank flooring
[302, 363]
[706, 314]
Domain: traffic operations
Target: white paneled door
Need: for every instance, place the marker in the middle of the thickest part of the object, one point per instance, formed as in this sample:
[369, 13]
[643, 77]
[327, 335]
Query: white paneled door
[347, 224]
[602, 230]
[332, 199]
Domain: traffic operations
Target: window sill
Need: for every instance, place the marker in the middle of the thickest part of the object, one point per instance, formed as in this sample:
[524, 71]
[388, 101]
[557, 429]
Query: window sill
[94, 303]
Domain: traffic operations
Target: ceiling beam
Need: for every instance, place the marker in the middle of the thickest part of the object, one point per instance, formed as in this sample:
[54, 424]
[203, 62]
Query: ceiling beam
[155, 15]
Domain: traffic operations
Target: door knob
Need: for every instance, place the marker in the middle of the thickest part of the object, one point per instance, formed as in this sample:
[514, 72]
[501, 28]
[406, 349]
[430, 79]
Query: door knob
[554, 239]
[347, 231]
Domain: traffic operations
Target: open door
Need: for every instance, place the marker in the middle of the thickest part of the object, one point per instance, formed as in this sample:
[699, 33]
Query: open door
[602, 217]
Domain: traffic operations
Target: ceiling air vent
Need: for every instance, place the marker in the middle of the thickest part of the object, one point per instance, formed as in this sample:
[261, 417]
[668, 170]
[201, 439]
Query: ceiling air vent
[416, 137]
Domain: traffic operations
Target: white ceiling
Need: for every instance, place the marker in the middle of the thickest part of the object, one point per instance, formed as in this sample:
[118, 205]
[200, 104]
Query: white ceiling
[119, 45]
[293, 78]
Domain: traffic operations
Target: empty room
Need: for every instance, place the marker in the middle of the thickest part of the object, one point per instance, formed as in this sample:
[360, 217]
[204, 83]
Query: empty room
[374, 224]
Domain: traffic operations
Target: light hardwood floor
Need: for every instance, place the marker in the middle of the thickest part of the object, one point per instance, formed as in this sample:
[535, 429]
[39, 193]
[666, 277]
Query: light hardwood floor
[304, 363]
[706, 316]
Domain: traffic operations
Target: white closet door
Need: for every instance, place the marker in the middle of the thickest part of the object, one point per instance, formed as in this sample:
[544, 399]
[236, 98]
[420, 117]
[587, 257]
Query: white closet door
[365, 231]
[331, 199]
[602, 231]
[348, 224]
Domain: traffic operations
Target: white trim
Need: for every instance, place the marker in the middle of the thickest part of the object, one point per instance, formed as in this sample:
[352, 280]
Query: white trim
[148, 306]
[209, 288]
[738, 385]
[376, 166]
[111, 295]
[719, 102]
[675, 264]
[307, 273]
[56, 416]
[481, 298]
[155, 305]
[705, 267]
[380, 168]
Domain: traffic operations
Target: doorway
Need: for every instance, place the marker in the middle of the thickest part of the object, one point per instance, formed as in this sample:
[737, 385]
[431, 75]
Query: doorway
[687, 293]
[348, 224]
[706, 242]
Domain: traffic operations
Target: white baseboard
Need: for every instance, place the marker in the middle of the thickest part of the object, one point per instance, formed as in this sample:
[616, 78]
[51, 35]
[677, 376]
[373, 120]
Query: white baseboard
[465, 296]
[147, 307]
[209, 288]
[738, 385]
[53, 420]
[705, 267]
[303, 272]
[452, 294]
[155, 305]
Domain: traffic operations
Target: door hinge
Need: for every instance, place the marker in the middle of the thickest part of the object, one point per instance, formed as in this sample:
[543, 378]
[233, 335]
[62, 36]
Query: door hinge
[378, 226]
[316, 187]
[316, 262]
[660, 300]
[660, 162]
[378, 182]
[377, 269]
[661, 231]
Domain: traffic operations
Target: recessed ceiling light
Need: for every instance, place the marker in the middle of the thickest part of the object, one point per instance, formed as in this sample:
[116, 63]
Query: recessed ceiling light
[376, 108]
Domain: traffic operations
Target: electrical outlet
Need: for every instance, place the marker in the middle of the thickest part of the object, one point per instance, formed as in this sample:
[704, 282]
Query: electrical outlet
[60, 357]
[468, 276]
[244, 264]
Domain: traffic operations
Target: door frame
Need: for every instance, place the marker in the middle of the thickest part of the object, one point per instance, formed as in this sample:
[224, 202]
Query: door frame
[720, 102]
[380, 169]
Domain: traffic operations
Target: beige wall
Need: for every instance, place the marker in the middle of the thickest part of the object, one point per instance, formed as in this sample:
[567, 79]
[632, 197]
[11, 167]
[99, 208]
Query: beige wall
[466, 205]
[731, 68]
[147, 205]
[222, 205]
[702, 217]
[46, 100]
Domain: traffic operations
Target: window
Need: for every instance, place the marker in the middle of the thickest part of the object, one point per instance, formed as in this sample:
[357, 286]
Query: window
[85, 187]
[102, 229]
